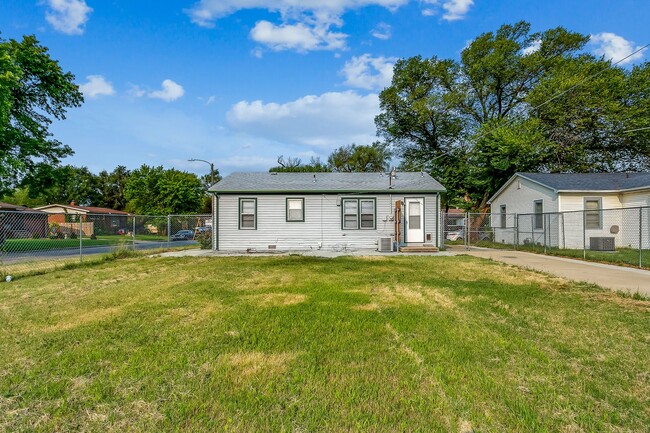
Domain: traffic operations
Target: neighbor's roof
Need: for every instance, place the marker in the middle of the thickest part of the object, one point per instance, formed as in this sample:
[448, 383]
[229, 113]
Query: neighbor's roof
[590, 181]
[584, 182]
[84, 209]
[325, 182]
[15, 207]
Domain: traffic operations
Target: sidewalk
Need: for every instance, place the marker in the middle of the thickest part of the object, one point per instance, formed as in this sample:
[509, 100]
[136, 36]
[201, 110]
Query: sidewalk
[608, 276]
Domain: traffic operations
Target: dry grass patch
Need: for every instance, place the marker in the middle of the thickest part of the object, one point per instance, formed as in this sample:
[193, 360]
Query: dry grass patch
[198, 313]
[502, 273]
[366, 307]
[412, 295]
[266, 300]
[84, 318]
[247, 365]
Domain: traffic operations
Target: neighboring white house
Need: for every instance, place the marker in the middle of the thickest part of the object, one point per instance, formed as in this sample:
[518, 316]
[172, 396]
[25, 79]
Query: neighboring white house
[330, 211]
[567, 210]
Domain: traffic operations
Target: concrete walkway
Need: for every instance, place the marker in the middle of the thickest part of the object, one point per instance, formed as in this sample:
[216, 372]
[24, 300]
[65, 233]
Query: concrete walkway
[608, 276]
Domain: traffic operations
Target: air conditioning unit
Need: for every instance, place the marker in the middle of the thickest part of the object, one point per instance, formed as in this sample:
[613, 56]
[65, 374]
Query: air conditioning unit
[386, 244]
[601, 244]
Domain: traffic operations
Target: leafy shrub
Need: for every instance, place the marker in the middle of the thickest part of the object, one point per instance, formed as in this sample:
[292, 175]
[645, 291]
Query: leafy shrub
[205, 240]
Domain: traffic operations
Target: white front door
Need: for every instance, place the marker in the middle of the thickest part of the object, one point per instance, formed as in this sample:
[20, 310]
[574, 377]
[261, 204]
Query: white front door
[414, 220]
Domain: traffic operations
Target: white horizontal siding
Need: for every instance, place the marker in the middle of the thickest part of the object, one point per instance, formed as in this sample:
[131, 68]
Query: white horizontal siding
[321, 228]
[636, 199]
[519, 198]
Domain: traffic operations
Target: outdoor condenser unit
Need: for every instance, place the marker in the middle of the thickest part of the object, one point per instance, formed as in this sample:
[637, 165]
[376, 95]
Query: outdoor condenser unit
[601, 244]
[385, 244]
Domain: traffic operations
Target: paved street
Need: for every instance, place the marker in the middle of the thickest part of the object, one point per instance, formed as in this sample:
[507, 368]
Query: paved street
[17, 257]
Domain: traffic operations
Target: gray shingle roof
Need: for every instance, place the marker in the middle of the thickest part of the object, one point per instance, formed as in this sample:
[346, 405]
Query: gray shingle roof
[325, 182]
[590, 181]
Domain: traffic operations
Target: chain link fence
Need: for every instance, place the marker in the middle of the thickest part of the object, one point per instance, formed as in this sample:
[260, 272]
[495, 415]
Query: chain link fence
[33, 241]
[619, 236]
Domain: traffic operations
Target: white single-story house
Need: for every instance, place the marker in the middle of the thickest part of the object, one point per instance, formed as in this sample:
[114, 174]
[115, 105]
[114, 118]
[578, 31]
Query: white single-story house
[329, 211]
[567, 210]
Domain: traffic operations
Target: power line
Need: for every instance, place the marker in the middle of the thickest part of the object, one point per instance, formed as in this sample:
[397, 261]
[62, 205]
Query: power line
[635, 130]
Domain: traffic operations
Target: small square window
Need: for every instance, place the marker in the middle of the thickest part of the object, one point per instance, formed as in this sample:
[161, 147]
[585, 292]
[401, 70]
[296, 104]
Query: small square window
[295, 209]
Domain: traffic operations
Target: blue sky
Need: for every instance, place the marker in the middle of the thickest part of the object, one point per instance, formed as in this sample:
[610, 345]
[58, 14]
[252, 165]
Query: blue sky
[239, 82]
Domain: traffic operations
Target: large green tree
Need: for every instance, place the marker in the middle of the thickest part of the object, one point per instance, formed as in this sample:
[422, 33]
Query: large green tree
[156, 191]
[34, 90]
[111, 187]
[474, 122]
[63, 185]
[360, 158]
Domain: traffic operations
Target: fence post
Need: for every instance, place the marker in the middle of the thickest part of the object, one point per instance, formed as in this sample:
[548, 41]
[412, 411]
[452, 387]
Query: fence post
[468, 227]
[640, 237]
[169, 231]
[584, 235]
[545, 225]
[516, 237]
[133, 234]
[81, 239]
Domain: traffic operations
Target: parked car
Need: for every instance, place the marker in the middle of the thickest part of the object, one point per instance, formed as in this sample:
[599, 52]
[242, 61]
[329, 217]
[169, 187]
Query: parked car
[201, 230]
[183, 235]
[456, 235]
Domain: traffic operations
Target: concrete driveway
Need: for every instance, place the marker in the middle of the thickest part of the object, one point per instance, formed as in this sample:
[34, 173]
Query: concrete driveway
[608, 276]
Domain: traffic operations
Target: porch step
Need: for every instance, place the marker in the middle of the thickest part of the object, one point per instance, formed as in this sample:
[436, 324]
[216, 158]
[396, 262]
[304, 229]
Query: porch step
[418, 249]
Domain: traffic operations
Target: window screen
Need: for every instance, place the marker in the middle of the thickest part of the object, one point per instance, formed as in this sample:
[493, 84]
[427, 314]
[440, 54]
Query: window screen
[247, 213]
[295, 209]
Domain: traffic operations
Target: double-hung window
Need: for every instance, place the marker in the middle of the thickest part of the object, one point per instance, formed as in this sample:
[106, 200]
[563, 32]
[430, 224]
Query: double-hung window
[295, 209]
[247, 213]
[358, 213]
[539, 214]
[504, 216]
[593, 214]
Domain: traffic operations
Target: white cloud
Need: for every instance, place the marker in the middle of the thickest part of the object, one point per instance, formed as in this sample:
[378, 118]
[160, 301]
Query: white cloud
[614, 47]
[257, 52]
[300, 37]
[304, 25]
[456, 9]
[453, 10]
[382, 31]
[325, 121]
[206, 12]
[136, 91]
[170, 91]
[68, 16]
[366, 72]
[96, 86]
[532, 48]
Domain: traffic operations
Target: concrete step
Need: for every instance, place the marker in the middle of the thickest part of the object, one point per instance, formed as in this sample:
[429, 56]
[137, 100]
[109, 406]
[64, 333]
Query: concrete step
[418, 249]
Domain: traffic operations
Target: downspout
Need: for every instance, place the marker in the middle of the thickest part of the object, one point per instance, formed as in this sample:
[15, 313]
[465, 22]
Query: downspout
[215, 222]
[437, 220]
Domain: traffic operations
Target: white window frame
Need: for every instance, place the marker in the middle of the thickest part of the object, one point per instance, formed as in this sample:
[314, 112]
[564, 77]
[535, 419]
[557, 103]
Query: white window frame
[538, 219]
[598, 212]
[359, 221]
[241, 213]
[300, 200]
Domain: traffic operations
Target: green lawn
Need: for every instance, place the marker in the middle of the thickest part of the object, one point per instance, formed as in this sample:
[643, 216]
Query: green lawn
[19, 245]
[622, 256]
[446, 344]
[45, 244]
